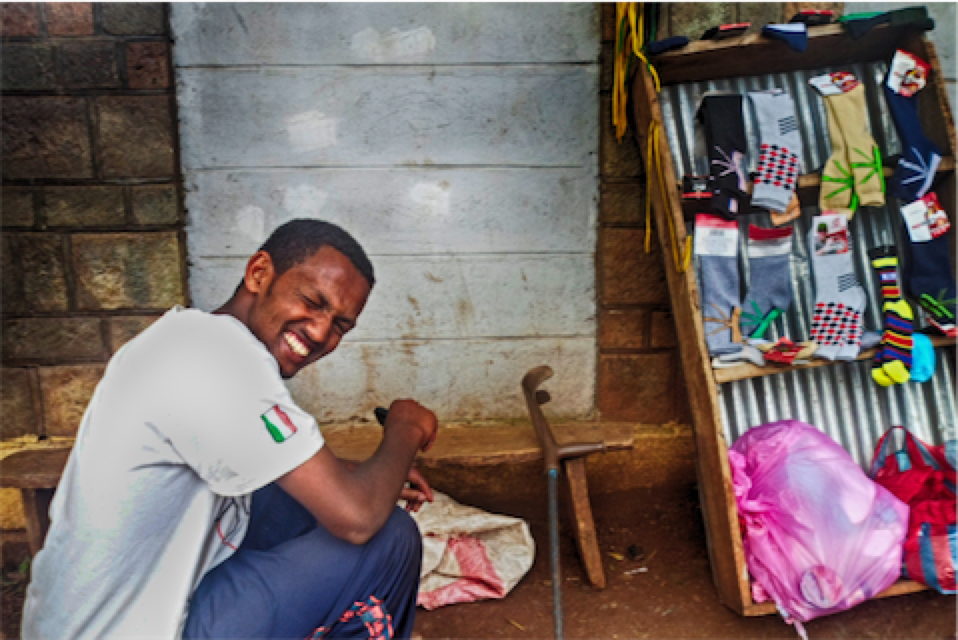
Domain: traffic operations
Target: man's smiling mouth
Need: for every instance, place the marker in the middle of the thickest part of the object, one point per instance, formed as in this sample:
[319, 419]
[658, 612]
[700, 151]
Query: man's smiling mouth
[296, 344]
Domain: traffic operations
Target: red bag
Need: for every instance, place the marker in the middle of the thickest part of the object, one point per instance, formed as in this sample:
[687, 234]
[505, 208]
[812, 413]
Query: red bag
[922, 477]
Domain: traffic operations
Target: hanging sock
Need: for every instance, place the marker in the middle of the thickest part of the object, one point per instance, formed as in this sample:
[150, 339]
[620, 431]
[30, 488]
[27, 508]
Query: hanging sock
[839, 298]
[920, 157]
[853, 173]
[769, 292]
[725, 138]
[893, 361]
[814, 17]
[922, 358]
[837, 192]
[859, 24]
[750, 354]
[863, 153]
[929, 276]
[781, 145]
[795, 35]
[870, 340]
[723, 31]
[716, 245]
[668, 44]
[787, 352]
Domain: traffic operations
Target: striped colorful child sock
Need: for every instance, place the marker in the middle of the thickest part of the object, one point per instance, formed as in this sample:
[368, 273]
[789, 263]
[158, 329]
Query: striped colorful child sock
[893, 361]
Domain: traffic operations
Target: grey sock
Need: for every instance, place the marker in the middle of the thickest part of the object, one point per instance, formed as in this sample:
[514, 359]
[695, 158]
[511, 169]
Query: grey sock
[780, 157]
[769, 288]
[719, 280]
[839, 298]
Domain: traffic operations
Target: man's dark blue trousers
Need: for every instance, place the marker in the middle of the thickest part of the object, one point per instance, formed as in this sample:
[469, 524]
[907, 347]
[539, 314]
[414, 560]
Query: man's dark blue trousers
[291, 578]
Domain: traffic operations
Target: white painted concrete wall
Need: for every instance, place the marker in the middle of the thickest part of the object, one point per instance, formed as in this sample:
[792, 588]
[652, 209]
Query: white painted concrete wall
[457, 142]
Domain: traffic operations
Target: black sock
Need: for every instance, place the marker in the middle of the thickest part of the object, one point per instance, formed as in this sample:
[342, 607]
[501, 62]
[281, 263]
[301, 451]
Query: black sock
[917, 16]
[858, 28]
[725, 139]
[661, 46]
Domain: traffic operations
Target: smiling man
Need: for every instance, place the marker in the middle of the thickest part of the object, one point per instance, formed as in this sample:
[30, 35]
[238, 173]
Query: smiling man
[199, 500]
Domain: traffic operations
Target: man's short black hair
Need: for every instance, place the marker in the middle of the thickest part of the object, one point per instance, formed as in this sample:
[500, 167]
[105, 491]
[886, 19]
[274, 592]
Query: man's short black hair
[295, 241]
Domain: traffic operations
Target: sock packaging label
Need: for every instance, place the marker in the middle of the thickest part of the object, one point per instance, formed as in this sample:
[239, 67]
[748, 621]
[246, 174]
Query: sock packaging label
[925, 219]
[715, 236]
[907, 74]
[831, 235]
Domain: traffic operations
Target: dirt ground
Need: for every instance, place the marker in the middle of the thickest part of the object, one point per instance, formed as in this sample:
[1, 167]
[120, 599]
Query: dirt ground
[674, 598]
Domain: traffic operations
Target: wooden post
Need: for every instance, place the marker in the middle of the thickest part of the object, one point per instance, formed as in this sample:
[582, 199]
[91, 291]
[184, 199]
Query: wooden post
[585, 536]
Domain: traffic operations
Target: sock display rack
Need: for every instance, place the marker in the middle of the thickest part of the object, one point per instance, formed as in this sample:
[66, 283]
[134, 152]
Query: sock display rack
[838, 397]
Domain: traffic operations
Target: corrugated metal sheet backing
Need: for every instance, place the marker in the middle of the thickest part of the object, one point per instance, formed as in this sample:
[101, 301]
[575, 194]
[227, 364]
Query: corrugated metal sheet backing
[841, 399]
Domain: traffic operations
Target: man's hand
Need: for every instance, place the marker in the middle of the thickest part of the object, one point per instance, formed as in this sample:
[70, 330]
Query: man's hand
[353, 503]
[417, 492]
[409, 414]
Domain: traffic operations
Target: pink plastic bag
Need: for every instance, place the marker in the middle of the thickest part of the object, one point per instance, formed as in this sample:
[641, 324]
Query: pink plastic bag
[820, 536]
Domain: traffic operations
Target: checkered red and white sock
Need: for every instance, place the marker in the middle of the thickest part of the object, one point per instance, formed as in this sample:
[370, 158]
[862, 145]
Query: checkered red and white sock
[840, 300]
[781, 146]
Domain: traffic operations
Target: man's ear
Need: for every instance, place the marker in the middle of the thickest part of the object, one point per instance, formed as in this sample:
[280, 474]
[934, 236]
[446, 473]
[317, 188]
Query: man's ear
[259, 272]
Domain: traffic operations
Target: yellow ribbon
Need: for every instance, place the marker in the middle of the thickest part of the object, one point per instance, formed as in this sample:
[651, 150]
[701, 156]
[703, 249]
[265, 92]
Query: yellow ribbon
[638, 36]
[629, 14]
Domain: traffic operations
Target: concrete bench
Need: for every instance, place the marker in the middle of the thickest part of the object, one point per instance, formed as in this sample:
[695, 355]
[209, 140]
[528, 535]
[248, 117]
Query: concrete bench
[36, 473]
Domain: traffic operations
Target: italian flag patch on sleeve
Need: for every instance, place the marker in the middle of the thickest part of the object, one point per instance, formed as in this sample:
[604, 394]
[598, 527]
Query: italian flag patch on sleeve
[279, 424]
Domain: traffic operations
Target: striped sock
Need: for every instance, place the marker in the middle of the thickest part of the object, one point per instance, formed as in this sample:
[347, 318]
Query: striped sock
[893, 361]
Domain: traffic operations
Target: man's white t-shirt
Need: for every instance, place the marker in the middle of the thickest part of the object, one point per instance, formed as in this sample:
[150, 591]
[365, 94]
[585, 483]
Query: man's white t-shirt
[189, 419]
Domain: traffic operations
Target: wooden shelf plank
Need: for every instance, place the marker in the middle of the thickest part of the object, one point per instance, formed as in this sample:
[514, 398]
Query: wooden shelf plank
[745, 371]
[755, 54]
[476, 446]
[814, 180]
[900, 588]
[808, 184]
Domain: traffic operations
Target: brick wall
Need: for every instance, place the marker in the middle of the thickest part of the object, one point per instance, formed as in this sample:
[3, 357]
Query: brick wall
[639, 376]
[92, 240]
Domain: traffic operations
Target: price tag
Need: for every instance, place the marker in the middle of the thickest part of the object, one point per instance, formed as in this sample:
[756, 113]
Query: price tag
[938, 222]
[715, 236]
[916, 220]
[832, 84]
[831, 235]
[907, 74]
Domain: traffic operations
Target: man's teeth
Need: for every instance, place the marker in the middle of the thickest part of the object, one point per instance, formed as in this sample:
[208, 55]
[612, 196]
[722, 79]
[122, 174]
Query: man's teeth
[294, 343]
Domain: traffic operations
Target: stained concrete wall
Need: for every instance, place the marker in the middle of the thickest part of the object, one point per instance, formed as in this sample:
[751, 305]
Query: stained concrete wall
[457, 142]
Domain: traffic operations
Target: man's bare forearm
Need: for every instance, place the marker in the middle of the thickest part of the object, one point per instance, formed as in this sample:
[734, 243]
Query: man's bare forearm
[354, 501]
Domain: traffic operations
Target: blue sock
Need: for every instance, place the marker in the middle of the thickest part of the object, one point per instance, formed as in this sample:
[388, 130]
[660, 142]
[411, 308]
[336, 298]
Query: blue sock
[794, 34]
[661, 46]
[919, 157]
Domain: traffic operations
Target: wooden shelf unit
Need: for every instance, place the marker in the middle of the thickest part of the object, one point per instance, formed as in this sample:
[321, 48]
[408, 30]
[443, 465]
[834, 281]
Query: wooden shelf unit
[751, 55]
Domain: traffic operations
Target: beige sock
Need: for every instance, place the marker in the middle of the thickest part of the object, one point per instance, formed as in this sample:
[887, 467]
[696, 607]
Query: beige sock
[837, 190]
[860, 148]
